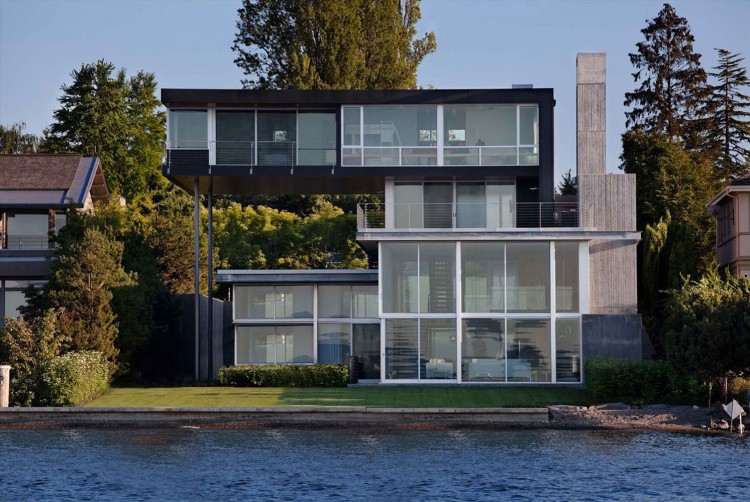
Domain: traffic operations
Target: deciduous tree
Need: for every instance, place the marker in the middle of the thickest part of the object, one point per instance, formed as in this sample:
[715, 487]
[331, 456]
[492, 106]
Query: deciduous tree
[13, 140]
[330, 44]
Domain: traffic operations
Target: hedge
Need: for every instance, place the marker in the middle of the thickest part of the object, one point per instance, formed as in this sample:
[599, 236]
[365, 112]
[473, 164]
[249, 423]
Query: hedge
[318, 375]
[642, 382]
[73, 379]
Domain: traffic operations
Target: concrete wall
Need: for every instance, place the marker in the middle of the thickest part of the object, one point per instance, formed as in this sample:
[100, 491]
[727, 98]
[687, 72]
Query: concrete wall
[614, 336]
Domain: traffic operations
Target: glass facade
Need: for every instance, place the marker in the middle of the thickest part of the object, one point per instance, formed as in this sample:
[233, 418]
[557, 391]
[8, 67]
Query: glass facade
[510, 329]
[279, 324]
[459, 204]
[486, 134]
[408, 135]
[449, 311]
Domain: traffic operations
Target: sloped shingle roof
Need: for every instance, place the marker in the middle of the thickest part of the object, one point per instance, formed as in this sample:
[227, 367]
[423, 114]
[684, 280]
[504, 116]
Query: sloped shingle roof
[50, 181]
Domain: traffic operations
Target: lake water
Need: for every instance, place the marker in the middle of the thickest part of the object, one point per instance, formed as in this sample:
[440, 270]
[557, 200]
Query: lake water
[190, 464]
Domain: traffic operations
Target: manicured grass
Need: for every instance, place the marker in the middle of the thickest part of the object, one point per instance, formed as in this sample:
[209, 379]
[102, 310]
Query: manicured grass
[376, 397]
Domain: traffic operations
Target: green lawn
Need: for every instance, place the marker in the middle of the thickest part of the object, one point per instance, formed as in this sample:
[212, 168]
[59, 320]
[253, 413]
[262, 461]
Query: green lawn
[380, 397]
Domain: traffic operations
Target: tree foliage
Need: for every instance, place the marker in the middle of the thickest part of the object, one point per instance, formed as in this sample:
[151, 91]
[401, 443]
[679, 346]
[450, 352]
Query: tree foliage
[567, 185]
[672, 82]
[107, 114]
[262, 237]
[726, 113]
[330, 44]
[27, 345]
[14, 141]
[708, 326]
[87, 269]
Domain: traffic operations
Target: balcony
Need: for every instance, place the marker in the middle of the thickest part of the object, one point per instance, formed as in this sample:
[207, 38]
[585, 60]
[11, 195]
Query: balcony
[466, 216]
[27, 242]
[258, 153]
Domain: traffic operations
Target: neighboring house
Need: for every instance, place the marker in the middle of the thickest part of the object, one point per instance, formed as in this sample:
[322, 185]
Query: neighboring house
[482, 275]
[731, 207]
[35, 191]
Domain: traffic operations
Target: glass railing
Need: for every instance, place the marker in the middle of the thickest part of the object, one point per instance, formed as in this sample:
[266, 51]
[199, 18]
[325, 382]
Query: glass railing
[412, 216]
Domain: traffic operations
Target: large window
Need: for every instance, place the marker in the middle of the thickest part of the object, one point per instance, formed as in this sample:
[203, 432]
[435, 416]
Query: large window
[528, 350]
[14, 297]
[423, 349]
[390, 135]
[317, 138]
[418, 278]
[566, 276]
[528, 276]
[483, 350]
[273, 302]
[568, 348]
[235, 137]
[28, 230]
[483, 267]
[188, 129]
[274, 344]
[277, 137]
[490, 134]
[476, 204]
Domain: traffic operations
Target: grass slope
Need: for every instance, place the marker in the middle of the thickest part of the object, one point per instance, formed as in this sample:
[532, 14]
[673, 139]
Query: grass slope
[376, 397]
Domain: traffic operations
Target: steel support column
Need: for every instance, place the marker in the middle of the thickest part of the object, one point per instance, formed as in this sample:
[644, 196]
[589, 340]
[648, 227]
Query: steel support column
[210, 280]
[197, 273]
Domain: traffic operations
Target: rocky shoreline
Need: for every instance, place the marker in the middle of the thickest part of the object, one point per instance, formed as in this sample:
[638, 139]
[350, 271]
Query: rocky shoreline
[658, 417]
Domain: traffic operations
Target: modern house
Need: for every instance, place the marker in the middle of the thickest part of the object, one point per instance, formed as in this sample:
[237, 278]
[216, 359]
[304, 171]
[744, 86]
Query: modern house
[731, 207]
[478, 273]
[35, 191]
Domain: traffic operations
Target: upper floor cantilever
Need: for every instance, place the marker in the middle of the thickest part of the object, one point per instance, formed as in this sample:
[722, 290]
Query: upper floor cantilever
[350, 141]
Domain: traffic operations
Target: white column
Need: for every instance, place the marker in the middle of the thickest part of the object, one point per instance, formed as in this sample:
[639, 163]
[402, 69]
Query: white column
[440, 122]
[4, 386]
[553, 310]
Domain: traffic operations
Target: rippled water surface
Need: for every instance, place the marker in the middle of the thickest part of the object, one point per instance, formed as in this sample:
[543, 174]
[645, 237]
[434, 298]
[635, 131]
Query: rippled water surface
[188, 464]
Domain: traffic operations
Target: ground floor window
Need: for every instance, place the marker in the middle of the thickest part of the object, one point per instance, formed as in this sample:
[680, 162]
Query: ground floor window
[274, 344]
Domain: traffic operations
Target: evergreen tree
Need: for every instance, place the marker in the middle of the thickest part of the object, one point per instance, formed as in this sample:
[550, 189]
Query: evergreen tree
[330, 44]
[708, 330]
[726, 113]
[567, 185]
[672, 82]
[104, 113]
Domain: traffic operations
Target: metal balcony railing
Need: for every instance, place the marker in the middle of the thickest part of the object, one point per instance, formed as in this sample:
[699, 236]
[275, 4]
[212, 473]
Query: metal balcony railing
[263, 153]
[27, 242]
[411, 216]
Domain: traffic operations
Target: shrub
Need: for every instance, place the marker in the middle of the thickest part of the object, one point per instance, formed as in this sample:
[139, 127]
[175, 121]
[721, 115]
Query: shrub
[27, 346]
[74, 379]
[642, 382]
[318, 375]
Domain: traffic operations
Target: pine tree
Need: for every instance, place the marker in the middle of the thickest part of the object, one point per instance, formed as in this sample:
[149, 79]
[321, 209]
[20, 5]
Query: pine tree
[87, 270]
[567, 185]
[672, 82]
[330, 44]
[726, 115]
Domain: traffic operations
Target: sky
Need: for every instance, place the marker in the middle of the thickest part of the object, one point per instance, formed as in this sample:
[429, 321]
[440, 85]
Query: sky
[481, 44]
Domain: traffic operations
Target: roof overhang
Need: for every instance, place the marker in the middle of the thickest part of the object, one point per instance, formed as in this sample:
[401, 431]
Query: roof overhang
[726, 192]
[337, 276]
[331, 98]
